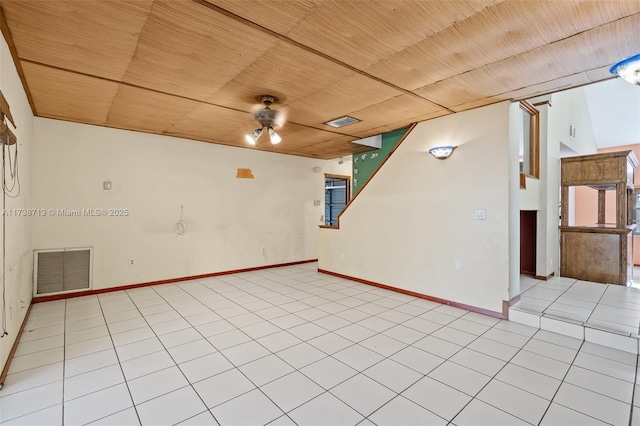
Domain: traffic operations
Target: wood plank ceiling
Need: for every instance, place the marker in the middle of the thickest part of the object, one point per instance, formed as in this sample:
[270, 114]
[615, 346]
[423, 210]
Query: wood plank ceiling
[193, 68]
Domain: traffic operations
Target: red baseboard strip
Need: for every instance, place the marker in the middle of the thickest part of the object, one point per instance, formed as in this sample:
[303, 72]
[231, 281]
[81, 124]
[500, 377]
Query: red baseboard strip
[40, 299]
[422, 296]
[544, 278]
[5, 370]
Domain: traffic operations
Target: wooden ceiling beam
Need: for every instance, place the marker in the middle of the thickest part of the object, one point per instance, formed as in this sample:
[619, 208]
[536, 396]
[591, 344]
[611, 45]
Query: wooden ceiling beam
[16, 60]
[286, 39]
[174, 95]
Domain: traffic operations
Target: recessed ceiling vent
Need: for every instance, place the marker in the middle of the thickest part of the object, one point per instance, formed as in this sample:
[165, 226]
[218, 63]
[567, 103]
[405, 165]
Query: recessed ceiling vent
[342, 121]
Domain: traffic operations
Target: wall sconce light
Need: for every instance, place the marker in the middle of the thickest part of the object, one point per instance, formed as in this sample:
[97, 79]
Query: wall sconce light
[442, 152]
[628, 68]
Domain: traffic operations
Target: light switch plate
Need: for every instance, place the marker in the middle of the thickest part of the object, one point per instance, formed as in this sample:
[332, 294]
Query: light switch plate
[480, 214]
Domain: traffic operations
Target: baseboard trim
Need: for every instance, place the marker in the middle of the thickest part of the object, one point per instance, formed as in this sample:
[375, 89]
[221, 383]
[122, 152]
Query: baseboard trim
[5, 370]
[420, 295]
[544, 278]
[40, 299]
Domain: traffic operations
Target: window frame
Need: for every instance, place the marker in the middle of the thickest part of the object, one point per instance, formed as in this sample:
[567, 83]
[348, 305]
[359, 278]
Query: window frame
[534, 141]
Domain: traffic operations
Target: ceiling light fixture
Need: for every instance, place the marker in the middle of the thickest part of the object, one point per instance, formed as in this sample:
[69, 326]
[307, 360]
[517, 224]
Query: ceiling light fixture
[268, 118]
[628, 69]
[252, 137]
[442, 152]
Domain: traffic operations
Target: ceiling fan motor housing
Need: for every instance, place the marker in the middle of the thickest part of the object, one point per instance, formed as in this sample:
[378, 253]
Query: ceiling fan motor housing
[267, 116]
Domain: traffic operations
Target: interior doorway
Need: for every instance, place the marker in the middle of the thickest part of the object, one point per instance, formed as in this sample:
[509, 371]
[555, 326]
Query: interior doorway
[528, 231]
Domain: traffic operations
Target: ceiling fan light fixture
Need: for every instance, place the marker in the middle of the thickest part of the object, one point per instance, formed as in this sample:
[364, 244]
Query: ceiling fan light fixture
[275, 138]
[628, 69]
[252, 137]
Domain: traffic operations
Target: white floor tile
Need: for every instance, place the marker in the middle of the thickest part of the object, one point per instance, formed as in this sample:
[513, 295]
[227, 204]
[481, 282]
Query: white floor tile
[261, 329]
[138, 349]
[393, 375]
[479, 362]
[506, 337]
[328, 372]
[29, 401]
[191, 350]
[438, 347]
[363, 394]
[401, 411]
[97, 405]
[606, 366]
[416, 359]
[201, 368]
[228, 339]
[341, 323]
[29, 334]
[592, 404]
[478, 413]
[558, 339]
[279, 341]
[155, 384]
[126, 325]
[37, 359]
[438, 398]
[529, 380]
[325, 410]
[558, 415]
[51, 416]
[330, 343]
[469, 326]
[358, 357]
[171, 408]
[265, 370]
[454, 336]
[307, 331]
[493, 348]
[127, 417]
[132, 336]
[223, 387]
[599, 383]
[384, 345]
[202, 419]
[39, 345]
[32, 378]
[354, 332]
[245, 352]
[541, 364]
[301, 355]
[92, 381]
[404, 334]
[559, 353]
[292, 390]
[252, 408]
[461, 378]
[515, 401]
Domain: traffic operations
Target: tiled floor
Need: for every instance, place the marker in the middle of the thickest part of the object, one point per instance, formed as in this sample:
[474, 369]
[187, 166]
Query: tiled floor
[291, 346]
[598, 306]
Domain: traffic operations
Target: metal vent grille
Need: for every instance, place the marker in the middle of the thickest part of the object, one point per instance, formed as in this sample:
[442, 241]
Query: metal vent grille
[62, 271]
[342, 121]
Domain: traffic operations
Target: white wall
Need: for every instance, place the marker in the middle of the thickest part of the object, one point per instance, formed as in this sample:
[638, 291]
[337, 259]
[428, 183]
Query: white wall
[418, 212]
[231, 223]
[19, 263]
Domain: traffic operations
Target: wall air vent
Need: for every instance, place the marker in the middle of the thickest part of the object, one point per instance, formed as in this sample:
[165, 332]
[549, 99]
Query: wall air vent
[62, 270]
[342, 121]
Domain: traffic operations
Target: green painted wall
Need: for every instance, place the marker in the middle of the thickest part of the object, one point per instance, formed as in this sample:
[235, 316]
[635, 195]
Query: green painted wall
[365, 164]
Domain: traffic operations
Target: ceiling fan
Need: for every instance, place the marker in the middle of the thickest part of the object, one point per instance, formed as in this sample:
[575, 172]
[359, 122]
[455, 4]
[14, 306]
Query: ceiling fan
[268, 119]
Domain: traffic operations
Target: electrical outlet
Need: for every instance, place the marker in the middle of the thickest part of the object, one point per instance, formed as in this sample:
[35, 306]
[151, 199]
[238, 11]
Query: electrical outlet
[458, 264]
[431, 271]
[131, 262]
[480, 214]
